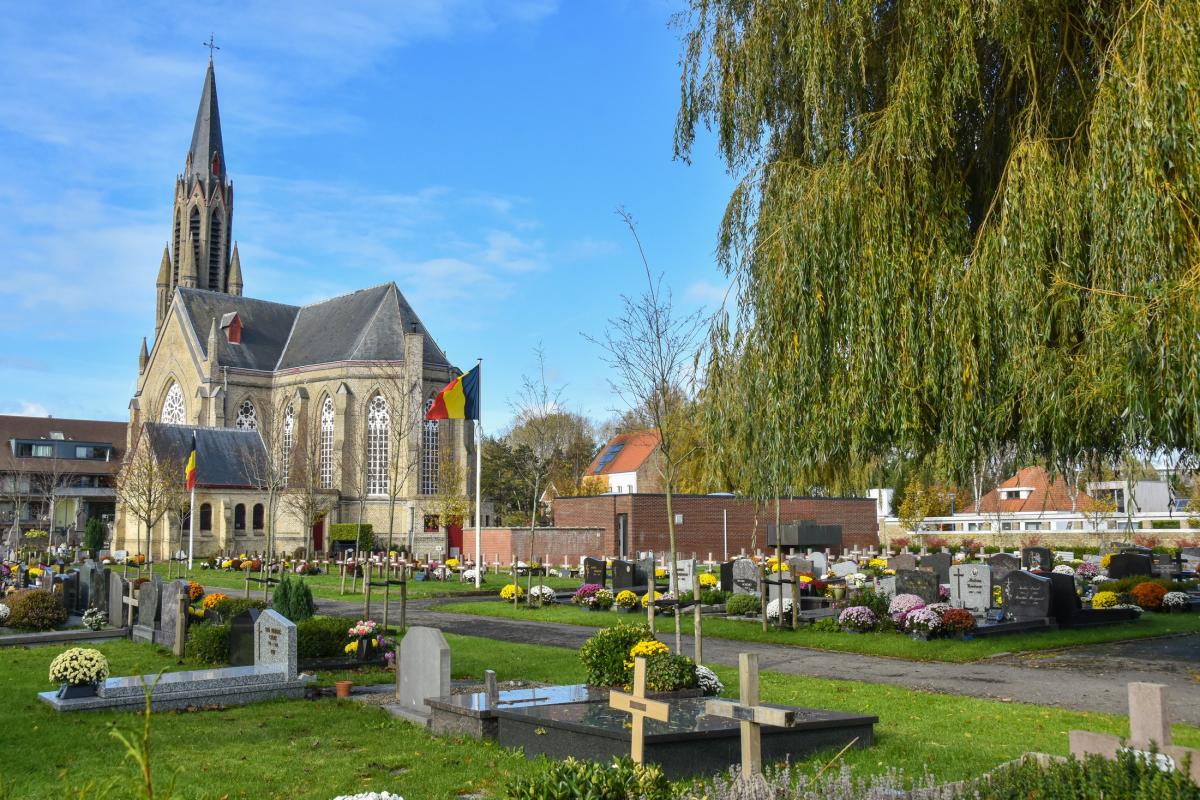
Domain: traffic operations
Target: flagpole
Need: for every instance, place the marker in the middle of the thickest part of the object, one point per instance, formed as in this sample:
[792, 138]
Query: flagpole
[478, 478]
[192, 528]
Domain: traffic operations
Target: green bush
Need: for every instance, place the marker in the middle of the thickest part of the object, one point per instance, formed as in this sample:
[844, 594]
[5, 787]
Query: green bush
[876, 602]
[1129, 777]
[35, 610]
[293, 599]
[714, 597]
[667, 672]
[1165, 524]
[322, 637]
[208, 642]
[741, 604]
[604, 655]
[93, 536]
[362, 535]
[1125, 585]
[829, 625]
[230, 607]
[589, 780]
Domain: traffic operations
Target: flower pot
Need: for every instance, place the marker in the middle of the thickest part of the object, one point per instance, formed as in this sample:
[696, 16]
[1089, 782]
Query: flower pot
[68, 692]
[621, 610]
[839, 592]
[366, 648]
[342, 688]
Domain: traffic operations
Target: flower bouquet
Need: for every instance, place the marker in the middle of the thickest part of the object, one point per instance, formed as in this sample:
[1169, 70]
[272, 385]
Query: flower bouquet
[584, 594]
[779, 606]
[94, 619]
[1104, 599]
[902, 605]
[708, 682]
[542, 594]
[511, 592]
[78, 671]
[647, 599]
[922, 623]
[4, 612]
[364, 639]
[468, 575]
[857, 619]
[1176, 601]
[958, 621]
[708, 580]
[625, 601]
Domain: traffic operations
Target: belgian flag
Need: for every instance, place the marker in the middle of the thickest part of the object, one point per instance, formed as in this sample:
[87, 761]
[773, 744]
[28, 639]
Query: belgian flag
[189, 471]
[459, 400]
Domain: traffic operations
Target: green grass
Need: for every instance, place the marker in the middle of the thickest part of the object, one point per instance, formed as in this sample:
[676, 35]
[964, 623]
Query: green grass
[303, 749]
[893, 645]
[327, 587]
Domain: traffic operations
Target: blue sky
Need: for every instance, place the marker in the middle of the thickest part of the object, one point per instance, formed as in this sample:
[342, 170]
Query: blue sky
[472, 151]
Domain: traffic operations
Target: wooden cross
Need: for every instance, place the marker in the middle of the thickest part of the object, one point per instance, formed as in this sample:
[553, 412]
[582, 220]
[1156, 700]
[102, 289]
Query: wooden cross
[130, 604]
[639, 708]
[750, 714]
[1149, 725]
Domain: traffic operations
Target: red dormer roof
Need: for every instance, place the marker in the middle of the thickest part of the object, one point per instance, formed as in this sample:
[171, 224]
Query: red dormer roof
[625, 452]
[1044, 495]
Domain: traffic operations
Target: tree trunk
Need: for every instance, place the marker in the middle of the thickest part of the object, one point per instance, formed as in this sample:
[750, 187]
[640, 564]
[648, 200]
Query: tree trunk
[674, 588]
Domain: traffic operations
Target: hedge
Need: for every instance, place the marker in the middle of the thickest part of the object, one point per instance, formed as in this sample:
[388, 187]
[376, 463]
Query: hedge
[362, 535]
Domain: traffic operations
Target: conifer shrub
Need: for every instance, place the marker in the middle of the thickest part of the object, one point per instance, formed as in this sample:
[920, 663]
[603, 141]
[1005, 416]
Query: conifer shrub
[293, 599]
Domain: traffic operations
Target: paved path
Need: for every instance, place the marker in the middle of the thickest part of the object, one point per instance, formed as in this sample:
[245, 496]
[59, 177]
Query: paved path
[1090, 678]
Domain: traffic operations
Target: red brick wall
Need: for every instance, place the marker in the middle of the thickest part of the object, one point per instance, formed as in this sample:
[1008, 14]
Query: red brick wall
[559, 545]
[701, 530]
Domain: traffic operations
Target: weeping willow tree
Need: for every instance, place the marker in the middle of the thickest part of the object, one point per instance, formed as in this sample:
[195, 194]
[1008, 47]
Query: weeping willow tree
[959, 226]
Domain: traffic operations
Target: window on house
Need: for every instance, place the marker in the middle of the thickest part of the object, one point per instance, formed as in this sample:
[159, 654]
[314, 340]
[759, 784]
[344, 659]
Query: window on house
[377, 446]
[608, 456]
[258, 518]
[42, 451]
[326, 464]
[432, 524]
[205, 517]
[239, 517]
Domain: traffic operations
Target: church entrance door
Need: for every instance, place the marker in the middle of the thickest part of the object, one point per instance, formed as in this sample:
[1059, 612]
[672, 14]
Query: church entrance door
[318, 533]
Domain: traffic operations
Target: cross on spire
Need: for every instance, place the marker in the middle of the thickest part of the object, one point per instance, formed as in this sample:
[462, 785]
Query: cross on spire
[211, 44]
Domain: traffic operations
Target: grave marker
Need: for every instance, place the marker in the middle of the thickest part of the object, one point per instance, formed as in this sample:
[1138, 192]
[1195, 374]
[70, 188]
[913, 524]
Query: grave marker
[424, 670]
[275, 642]
[745, 577]
[639, 708]
[939, 564]
[971, 587]
[918, 582]
[1149, 728]
[1124, 565]
[595, 571]
[1002, 564]
[902, 561]
[750, 715]
[1037, 558]
[1026, 596]
[172, 593]
[843, 568]
[115, 595]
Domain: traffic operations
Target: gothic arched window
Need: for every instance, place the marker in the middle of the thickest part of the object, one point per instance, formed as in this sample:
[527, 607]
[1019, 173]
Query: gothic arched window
[247, 416]
[377, 446]
[289, 427]
[173, 410]
[326, 464]
[431, 446]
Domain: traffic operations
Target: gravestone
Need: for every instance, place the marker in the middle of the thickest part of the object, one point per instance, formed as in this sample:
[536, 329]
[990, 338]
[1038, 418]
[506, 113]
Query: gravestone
[1064, 555]
[149, 598]
[687, 576]
[625, 574]
[1149, 733]
[46, 579]
[70, 590]
[1164, 565]
[424, 670]
[98, 590]
[172, 591]
[241, 637]
[745, 577]
[939, 565]
[595, 570]
[1037, 558]
[86, 575]
[1026, 596]
[887, 586]
[919, 582]
[646, 570]
[116, 595]
[1123, 565]
[800, 565]
[971, 587]
[902, 561]
[1064, 601]
[726, 579]
[820, 563]
[843, 568]
[1002, 564]
[275, 642]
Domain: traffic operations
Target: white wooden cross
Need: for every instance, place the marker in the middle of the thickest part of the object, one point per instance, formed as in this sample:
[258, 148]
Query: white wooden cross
[750, 714]
[639, 708]
[131, 603]
[1148, 725]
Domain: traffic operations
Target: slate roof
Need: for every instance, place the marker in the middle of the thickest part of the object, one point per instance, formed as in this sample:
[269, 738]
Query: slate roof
[1047, 495]
[367, 325]
[222, 454]
[79, 430]
[632, 451]
[206, 135]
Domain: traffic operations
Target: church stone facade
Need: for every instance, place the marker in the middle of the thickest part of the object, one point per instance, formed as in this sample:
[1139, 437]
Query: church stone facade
[334, 374]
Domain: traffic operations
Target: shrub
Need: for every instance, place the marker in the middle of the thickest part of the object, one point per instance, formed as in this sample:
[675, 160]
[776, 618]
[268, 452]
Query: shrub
[1104, 599]
[708, 682]
[208, 643]
[1176, 601]
[603, 655]
[230, 607]
[363, 535]
[322, 637]
[1126, 584]
[571, 780]
[293, 599]
[667, 672]
[511, 591]
[35, 610]
[877, 603]
[714, 597]
[958, 620]
[626, 599]
[742, 604]
[826, 625]
[647, 648]
[211, 601]
[857, 618]
[1149, 595]
[1129, 777]
[93, 536]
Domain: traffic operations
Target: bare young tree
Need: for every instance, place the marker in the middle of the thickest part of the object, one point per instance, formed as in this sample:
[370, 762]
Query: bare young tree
[16, 492]
[404, 408]
[652, 347]
[303, 496]
[542, 431]
[146, 487]
[53, 475]
[268, 470]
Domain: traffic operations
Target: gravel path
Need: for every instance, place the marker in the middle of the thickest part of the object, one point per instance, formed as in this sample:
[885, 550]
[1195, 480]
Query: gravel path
[1090, 678]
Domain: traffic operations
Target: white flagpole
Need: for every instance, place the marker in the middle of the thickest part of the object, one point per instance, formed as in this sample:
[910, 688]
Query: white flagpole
[191, 528]
[478, 478]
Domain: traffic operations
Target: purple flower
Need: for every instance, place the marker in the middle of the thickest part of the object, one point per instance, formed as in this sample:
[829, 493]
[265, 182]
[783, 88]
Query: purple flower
[857, 618]
[902, 605]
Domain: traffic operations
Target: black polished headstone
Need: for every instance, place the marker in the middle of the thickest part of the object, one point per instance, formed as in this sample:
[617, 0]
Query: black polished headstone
[1026, 596]
[1064, 601]
[726, 584]
[939, 564]
[595, 571]
[625, 575]
[1037, 558]
[1002, 564]
[241, 638]
[1124, 565]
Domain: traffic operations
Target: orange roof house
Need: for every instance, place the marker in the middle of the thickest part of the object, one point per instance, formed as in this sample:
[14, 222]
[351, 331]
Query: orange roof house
[630, 462]
[1031, 490]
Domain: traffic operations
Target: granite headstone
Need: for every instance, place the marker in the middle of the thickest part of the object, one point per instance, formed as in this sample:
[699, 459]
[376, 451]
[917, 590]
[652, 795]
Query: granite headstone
[843, 568]
[241, 637]
[971, 587]
[902, 561]
[149, 598]
[1002, 564]
[172, 593]
[595, 571]
[625, 576]
[1026, 596]
[687, 575]
[116, 599]
[1037, 558]
[424, 669]
[919, 582]
[939, 565]
[745, 577]
[275, 642]
[1124, 565]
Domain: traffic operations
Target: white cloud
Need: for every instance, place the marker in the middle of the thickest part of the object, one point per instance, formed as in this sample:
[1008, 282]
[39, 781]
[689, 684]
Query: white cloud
[24, 409]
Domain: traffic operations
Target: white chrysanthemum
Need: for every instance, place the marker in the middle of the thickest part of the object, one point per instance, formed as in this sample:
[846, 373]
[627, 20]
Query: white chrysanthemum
[773, 607]
[709, 683]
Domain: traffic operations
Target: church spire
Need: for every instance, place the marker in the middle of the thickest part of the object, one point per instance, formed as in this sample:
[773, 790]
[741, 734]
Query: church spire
[206, 156]
[162, 288]
[235, 272]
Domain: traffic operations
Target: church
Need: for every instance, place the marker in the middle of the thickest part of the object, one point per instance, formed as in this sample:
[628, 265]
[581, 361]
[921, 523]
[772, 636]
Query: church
[314, 411]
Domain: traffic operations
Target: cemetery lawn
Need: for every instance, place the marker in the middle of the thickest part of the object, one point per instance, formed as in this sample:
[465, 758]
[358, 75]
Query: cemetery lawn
[303, 749]
[325, 587]
[892, 645]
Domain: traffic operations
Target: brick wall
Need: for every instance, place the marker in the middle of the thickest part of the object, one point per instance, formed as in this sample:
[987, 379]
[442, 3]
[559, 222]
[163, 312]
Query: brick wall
[560, 545]
[702, 529]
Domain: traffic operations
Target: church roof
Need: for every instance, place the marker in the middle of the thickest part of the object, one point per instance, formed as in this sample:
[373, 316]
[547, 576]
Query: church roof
[367, 325]
[224, 456]
[206, 135]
